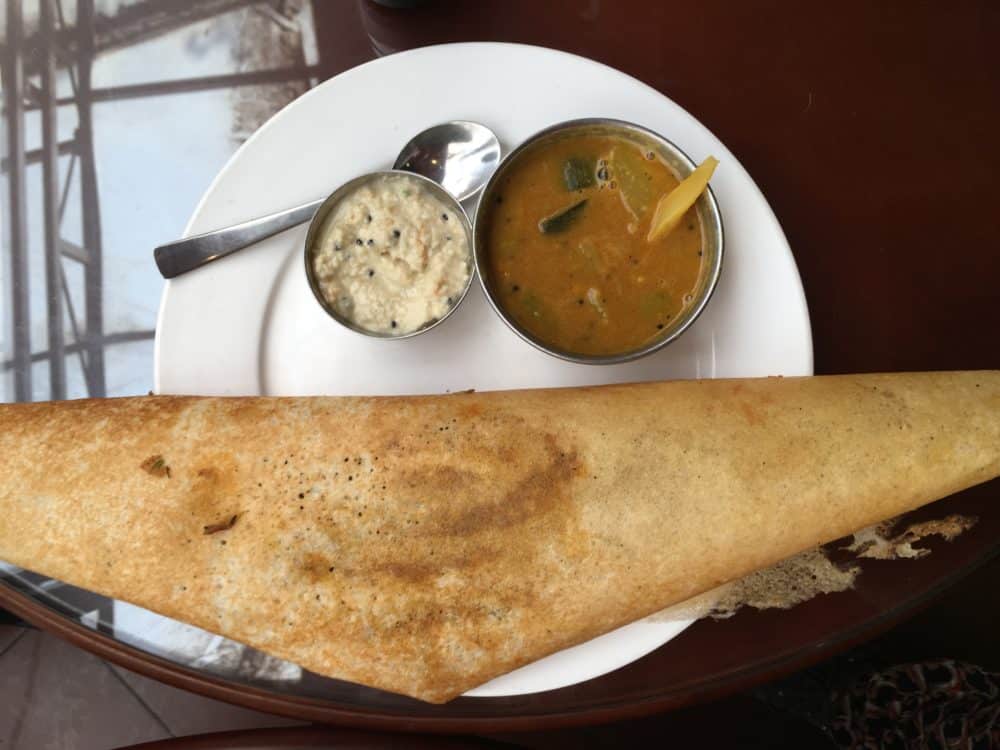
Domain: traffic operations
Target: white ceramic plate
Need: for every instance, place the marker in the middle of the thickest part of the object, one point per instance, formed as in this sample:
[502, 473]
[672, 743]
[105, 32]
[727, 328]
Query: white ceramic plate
[249, 325]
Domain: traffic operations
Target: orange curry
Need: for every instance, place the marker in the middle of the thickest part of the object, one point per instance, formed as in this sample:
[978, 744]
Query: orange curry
[568, 252]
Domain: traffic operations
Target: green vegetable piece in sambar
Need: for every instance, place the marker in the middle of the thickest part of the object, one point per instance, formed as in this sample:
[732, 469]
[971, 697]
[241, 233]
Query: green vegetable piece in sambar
[578, 173]
[563, 219]
[631, 173]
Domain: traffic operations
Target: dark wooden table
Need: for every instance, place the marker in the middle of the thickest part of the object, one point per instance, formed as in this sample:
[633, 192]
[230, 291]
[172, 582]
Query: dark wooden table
[871, 129]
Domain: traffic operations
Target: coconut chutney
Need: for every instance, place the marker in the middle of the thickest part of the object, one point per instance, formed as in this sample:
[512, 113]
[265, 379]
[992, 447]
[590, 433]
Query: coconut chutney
[391, 256]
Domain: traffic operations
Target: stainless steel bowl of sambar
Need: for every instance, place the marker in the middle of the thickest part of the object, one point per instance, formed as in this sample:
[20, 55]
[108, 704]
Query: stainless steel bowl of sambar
[678, 162]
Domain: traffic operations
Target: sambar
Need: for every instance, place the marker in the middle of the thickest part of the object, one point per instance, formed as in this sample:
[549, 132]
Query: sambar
[565, 251]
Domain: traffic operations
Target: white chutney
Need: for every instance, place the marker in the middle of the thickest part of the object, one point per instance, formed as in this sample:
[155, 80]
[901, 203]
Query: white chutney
[391, 256]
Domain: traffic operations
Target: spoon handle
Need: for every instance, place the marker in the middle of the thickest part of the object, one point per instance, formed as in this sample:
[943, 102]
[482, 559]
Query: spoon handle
[181, 256]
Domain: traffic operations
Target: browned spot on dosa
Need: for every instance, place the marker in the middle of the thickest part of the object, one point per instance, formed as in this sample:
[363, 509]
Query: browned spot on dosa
[316, 567]
[156, 466]
[226, 525]
[213, 491]
[752, 416]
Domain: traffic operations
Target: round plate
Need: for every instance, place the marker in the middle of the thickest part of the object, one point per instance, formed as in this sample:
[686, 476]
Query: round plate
[249, 325]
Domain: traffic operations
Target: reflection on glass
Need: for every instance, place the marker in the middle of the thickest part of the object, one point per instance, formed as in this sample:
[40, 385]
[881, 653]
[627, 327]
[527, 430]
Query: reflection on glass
[117, 117]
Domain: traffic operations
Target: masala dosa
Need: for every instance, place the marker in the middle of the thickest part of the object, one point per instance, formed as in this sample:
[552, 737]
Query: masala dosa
[424, 545]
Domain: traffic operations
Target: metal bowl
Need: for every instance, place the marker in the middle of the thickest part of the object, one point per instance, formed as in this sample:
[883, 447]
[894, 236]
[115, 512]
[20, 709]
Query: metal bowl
[331, 202]
[679, 163]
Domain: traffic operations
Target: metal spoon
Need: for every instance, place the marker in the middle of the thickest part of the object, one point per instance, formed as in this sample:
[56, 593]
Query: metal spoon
[459, 155]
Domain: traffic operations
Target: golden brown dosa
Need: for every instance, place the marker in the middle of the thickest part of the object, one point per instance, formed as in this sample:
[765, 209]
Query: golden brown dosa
[425, 545]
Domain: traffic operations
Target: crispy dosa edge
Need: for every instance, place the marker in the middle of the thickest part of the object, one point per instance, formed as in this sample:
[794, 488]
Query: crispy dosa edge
[424, 545]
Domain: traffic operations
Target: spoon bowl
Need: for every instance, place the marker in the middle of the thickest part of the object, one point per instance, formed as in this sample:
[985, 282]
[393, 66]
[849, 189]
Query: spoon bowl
[460, 156]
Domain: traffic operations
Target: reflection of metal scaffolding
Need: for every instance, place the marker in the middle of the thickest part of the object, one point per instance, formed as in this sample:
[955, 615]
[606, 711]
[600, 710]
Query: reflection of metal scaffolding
[13, 86]
[54, 45]
[90, 340]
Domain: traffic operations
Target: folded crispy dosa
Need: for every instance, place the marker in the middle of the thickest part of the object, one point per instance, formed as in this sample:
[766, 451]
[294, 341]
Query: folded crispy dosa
[425, 545]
